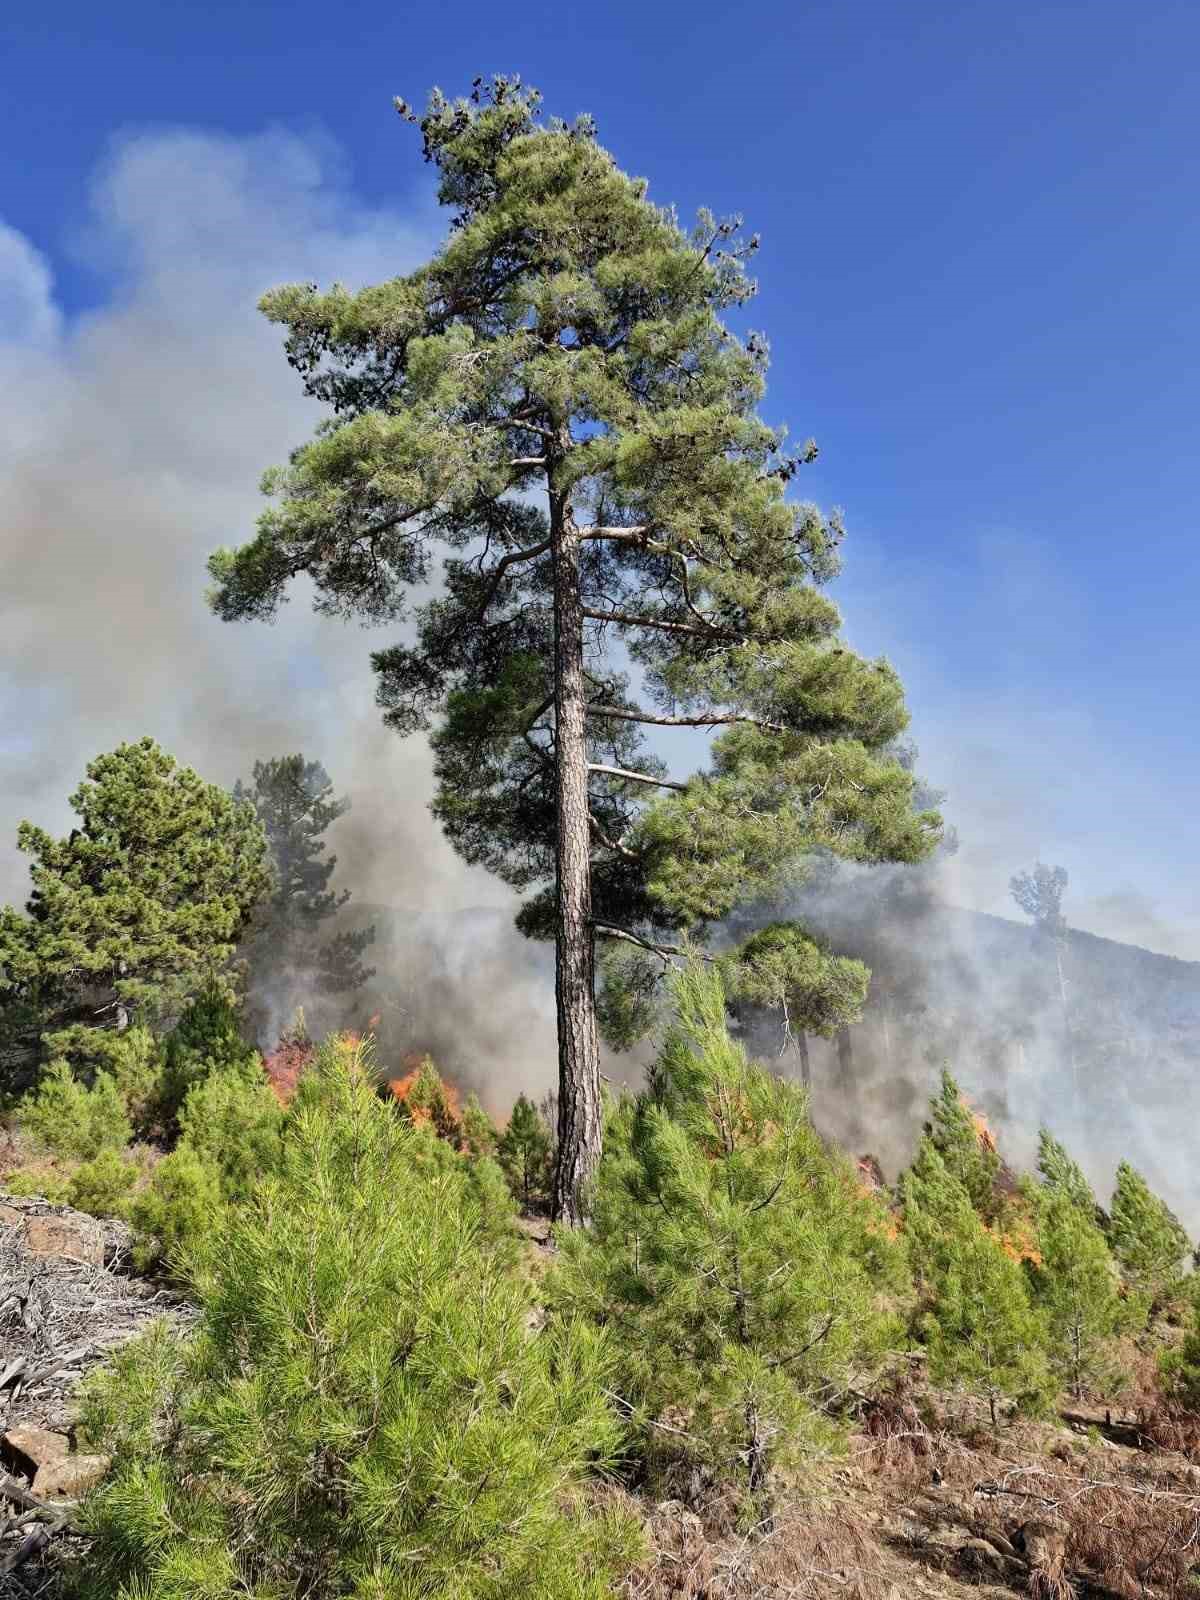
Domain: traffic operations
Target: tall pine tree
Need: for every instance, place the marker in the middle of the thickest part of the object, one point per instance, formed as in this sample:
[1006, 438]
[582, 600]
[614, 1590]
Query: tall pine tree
[1146, 1237]
[566, 342]
[292, 940]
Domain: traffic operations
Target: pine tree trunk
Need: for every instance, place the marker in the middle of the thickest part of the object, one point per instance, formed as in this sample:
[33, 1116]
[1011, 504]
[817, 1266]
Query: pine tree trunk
[578, 1043]
[845, 1055]
[805, 1063]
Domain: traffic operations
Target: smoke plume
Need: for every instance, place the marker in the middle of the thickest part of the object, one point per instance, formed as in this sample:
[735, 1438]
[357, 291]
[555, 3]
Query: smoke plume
[132, 439]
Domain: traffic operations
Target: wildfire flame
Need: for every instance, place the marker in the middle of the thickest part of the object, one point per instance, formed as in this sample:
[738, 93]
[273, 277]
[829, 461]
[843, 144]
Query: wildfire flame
[402, 1088]
[982, 1132]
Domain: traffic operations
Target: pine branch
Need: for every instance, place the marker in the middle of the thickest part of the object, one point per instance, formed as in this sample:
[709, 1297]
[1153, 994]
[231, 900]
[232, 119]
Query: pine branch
[609, 930]
[702, 630]
[706, 720]
[514, 558]
[636, 777]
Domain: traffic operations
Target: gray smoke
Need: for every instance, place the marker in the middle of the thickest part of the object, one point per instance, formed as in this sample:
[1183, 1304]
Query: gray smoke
[1114, 1073]
[132, 439]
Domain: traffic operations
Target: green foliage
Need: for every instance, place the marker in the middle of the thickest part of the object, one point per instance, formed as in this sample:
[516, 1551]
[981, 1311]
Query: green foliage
[953, 1133]
[975, 1314]
[38, 1178]
[427, 1101]
[290, 937]
[177, 1217]
[627, 1004]
[781, 966]
[233, 1122]
[524, 1153]
[1147, 1238]
[743, 1271]
[1040, 896]
[361, 1410]
[569, 338]
[1062, 1175]
[140, 906]
[206, 1039]
[1076, 1288]
[102, 1185]
[72, 1120]
[1180, 1364]
[479, 1132]
[134, 1058]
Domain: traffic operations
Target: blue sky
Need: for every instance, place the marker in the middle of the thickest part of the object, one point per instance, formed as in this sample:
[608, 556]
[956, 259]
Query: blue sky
[980, 240]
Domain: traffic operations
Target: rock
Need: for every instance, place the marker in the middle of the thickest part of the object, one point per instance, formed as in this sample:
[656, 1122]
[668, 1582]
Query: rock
[73, 1238]
[27, 1449]
[71, 1477]
[10, 1217]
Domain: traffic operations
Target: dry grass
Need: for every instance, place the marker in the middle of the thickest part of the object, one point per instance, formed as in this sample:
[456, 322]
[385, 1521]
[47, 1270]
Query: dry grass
[807, 1553]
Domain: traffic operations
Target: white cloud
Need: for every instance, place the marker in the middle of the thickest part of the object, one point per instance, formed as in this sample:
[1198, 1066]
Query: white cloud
[28, 316]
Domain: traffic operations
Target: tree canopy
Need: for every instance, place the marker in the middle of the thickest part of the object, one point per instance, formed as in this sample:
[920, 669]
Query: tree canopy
[567, 341]
[293, 941]
[138, 909]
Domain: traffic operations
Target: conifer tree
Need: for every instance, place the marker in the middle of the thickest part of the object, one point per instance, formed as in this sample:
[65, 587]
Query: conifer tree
[1077, 1290]
[361, 1409]
[972, 1160]
[814, 991]
[427, 1101]
[206, 1039]
[976, 1317]
[139, 908]
[479, 1132]
[1061, 1174]
[290, 938]
[1040, 896]
[524, 1153]
[567, 339]
[740, 1265]
[1147, 1238]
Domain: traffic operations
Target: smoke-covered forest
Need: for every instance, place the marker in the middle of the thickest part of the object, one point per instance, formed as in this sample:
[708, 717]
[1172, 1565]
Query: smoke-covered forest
[716, 1207]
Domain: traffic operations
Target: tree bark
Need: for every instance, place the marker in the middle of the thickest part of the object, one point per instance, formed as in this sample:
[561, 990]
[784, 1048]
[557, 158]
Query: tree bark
[578, 1042]
[805, 1063]
[845, 1055]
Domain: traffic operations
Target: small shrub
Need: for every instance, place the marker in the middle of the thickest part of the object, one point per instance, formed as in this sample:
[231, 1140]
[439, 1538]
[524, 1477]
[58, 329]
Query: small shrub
[136, 1063]
[968, 1154]
[232, 1121]
[72, 1120]
[102, 1185]
[1076, 1287]
[42, 1179]
[206, 1039]
[737, 1261]
[177, 1216]
[361, 1410]
[524, 1152]
[479, 1132]
[974, 1310]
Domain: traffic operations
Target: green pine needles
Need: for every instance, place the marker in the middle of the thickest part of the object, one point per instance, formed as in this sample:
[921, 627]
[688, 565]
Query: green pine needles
[742, 1270]
[362, 1408]
[975, 1312]
[554, 401]
[1147, 1238]
[138, 909]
